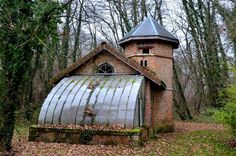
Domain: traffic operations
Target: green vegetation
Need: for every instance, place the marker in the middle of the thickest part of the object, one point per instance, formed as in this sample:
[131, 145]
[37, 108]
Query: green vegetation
[22, 124]
[227, 114]
[135, 130]
[164, 129]
[35, 43]
[207, 142]
[205, 117]
[202, 143]
[25, 25]
[86, 136]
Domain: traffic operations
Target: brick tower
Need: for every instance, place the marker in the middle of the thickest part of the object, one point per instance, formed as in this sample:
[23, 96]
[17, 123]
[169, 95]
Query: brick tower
[152, 46]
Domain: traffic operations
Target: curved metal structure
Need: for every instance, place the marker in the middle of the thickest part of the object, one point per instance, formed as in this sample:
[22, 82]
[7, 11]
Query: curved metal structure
[113, 99]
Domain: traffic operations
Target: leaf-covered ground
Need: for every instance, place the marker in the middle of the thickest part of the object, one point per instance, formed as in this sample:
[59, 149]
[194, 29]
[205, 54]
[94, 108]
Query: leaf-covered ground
[188, 139]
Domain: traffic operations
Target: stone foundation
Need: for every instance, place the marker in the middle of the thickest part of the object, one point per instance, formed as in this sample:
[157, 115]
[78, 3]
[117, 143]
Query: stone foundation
[134, 137]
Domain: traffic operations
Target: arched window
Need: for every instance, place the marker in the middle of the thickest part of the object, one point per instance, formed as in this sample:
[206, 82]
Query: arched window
[105, 68]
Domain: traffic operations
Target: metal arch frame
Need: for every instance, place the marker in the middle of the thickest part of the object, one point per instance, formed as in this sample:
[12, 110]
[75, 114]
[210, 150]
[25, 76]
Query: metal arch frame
[114, 99]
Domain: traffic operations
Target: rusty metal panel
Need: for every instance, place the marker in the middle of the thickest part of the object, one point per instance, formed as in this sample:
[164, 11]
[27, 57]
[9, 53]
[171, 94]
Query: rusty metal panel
[84, 100]
[76, 101]
[114, 99]
[66, 112]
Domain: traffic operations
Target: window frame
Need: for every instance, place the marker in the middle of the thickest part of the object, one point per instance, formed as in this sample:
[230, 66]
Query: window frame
[146, 51]
[108, 68]
[145, 63]
[141, 63]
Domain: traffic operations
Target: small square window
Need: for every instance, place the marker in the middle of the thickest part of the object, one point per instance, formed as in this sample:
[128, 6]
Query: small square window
[145, 51]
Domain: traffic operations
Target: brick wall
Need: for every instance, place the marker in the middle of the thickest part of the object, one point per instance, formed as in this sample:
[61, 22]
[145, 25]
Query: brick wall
[159, 111]
[157, 48]
[163, 110]
[91, 66]
[147, 113]
[162, 67]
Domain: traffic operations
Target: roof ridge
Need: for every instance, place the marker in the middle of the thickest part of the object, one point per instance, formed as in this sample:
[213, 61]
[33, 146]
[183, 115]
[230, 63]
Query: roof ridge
[154, 27]
[140, 26]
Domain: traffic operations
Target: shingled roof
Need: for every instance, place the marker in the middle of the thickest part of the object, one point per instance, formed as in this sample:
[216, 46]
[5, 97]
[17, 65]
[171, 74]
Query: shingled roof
[117, 54]
[149, 29]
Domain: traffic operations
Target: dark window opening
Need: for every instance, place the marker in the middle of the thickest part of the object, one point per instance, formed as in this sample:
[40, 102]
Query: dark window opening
[145, 63]
[145, 51]
[105, 68]
[141, 63]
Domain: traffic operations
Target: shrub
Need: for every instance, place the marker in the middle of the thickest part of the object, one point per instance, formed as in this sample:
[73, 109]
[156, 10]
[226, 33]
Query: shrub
[227, 114]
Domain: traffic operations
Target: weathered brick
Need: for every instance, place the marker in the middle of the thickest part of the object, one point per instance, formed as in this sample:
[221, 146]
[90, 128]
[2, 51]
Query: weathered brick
[91, 66]
[159, 111]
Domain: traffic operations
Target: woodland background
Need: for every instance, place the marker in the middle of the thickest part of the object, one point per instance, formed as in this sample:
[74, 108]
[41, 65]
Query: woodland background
[40, 38]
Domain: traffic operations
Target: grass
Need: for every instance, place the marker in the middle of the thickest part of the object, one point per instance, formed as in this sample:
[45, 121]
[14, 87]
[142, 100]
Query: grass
[205, 117]
[22, 124]
[202, 143]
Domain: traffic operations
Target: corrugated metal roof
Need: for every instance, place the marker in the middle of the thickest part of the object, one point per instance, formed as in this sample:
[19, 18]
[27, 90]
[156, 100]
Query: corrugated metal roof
[114, 99]
[149, 29]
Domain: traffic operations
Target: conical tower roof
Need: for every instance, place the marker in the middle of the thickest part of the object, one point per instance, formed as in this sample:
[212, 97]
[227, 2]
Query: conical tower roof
[149, 29]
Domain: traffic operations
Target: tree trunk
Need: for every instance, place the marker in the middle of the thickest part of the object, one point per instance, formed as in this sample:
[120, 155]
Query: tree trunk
[65, 38]
[179, 99]
[76, 49]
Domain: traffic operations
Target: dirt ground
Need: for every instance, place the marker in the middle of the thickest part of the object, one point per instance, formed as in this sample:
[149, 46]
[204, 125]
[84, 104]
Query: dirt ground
[181, 127]
[22, 147]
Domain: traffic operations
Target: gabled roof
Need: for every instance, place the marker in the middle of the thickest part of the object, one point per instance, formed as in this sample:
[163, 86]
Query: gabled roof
[117, 54]
[149, 29]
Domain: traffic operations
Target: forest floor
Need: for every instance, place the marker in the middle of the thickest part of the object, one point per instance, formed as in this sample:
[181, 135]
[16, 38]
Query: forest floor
[189, 138]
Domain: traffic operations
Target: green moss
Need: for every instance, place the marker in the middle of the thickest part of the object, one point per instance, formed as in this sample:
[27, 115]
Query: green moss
[32, 134]
[83, 136]
[135, 130]
[34, 126]
[86, 136]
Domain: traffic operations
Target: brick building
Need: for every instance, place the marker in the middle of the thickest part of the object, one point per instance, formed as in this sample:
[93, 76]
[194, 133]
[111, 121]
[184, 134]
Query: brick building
[132, 89]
